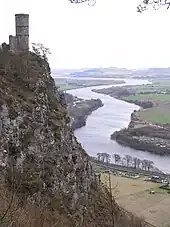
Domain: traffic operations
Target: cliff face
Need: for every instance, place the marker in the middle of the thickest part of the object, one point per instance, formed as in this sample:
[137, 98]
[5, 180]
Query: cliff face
[36, 140]
[45, 175]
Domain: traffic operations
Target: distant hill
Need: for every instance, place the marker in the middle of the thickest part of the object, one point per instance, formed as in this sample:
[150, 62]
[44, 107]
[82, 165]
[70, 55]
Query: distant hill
[114, 72]
[103, 72]
[65, 72]
[160, 73]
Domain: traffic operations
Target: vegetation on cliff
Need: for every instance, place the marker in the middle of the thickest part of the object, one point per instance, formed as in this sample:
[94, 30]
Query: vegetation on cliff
[46, 177]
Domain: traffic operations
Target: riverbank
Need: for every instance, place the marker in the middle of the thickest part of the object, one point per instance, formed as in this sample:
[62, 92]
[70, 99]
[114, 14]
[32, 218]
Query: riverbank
[80, 109]
[106, 167]
[144, 136]
[65, 84]
[149, 128]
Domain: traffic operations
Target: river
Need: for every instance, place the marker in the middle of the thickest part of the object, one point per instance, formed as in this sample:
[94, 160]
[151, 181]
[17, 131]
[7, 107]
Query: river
[114, 115]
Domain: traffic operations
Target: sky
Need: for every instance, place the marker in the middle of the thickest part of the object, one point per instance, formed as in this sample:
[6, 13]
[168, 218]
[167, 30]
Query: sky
[109, 34]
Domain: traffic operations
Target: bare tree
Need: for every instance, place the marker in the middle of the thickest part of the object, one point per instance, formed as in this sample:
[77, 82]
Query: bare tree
[123, 161]
[138, 163]
[41, 51]
[107, 158]
[144, 164]
[135, 162]
[99, 156]
[128, 160]
[156, 4]
[117, 158]
[90, 2]
[150, 165]
[102, 157]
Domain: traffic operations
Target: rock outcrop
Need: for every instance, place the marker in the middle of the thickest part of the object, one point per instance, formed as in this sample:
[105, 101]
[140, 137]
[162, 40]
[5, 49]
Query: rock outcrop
[36, 139]
[42, 165]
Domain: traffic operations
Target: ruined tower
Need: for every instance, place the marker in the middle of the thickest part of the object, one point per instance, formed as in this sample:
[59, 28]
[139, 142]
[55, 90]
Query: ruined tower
[22, 32]
[20, 42]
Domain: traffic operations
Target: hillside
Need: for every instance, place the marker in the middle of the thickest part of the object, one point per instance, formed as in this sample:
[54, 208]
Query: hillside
[113, 72]
[46, 176]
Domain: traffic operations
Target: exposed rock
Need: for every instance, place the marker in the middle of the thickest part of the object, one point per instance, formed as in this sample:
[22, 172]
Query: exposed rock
[35, 135]
[41, 160]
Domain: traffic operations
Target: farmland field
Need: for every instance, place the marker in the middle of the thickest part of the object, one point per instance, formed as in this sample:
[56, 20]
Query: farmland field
[134, 196]
[154, 97]
[159, 114]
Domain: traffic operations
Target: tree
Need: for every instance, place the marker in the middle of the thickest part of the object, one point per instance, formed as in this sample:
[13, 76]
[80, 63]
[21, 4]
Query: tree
[147, 165]
[128, 159]
[150, 165]
[103, 157]
[90, 2]
[144, 164]
[124, 161]
[156, 4]
[107, 158]
[98, 156]
[117, 158]
[135, 162]
[41, 51]
[138, 162]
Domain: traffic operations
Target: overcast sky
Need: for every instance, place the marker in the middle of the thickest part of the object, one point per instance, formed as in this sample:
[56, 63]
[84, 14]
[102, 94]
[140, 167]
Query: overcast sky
[111, 33]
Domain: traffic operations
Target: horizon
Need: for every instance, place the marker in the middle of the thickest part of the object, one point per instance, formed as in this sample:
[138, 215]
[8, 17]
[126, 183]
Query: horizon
[109, 33]
[86, 68]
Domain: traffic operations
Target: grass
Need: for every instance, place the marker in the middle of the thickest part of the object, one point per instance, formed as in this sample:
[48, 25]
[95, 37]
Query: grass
[154, 97]
[123, 186]
[159, 114]
[158, 190]
[134, 196]
[65, 84]
[65, 87]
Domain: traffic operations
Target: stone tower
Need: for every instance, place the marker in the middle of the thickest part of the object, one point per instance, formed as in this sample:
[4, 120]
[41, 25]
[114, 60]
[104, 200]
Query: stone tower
[20, 42]
[22, 32]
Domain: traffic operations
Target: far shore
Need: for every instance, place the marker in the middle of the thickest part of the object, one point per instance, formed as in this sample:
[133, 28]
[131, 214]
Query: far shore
[149, 128]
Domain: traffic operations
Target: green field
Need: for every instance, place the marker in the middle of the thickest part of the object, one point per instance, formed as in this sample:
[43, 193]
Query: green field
[67, 84]
[159, 114]
[153, 97]
[65, 87]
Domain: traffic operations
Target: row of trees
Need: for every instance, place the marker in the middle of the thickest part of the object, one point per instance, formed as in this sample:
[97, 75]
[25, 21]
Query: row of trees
[127, 161]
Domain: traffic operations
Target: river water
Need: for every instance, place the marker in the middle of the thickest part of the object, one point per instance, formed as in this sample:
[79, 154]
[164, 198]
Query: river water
[114, 115]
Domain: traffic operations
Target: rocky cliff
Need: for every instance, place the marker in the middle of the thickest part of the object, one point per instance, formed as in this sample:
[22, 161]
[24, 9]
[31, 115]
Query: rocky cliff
[35, 134]
[46, 176]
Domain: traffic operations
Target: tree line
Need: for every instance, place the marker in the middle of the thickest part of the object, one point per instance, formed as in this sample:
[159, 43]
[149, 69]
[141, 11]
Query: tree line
[127, 161]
